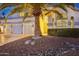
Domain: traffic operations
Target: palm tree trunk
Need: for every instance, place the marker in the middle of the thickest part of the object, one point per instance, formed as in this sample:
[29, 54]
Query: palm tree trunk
[5, 24]
[37, 12]
[37, 26]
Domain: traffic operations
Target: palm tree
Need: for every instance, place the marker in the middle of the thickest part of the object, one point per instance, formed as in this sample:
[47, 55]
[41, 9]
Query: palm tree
[5, 21]
[34, 9]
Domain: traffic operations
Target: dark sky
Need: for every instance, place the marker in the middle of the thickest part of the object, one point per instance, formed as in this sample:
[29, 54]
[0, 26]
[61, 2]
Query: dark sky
[77, 5]
[6, 10]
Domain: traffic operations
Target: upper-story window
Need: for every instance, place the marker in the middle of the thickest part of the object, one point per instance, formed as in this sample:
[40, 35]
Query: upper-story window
[72, 18]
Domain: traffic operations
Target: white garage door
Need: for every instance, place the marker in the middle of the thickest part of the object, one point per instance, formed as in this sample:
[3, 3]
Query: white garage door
[17, 29]
[28, 28]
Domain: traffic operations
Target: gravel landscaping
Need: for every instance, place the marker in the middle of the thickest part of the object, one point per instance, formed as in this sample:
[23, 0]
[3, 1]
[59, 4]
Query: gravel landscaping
[45, 46]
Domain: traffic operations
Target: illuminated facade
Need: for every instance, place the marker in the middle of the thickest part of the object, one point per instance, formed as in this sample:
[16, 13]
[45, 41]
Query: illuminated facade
[70, 20]
[17, 26]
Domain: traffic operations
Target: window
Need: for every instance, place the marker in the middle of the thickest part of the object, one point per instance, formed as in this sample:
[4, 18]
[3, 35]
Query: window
[72, 22]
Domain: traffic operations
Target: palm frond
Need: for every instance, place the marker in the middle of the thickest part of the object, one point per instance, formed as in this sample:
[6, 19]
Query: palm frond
[5, 5]
[37, 5]
[54, 11]
[62, 6]
[25, 16]
[71, 4]
[16, 10]
[42, 16]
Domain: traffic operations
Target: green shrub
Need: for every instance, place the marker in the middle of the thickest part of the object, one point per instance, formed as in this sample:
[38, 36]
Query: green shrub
[67, 32]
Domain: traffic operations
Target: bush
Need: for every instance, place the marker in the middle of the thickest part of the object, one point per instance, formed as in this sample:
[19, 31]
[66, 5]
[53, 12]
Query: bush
[67, 32]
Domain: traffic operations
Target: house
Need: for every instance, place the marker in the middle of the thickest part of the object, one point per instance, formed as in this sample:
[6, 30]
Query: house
[16, 25]
[70, 19]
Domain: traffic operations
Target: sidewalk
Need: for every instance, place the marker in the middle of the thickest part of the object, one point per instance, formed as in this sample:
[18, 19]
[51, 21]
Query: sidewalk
[6, 38]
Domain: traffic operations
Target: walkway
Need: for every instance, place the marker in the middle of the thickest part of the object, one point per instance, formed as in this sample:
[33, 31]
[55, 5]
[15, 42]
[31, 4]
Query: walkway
[6, 38]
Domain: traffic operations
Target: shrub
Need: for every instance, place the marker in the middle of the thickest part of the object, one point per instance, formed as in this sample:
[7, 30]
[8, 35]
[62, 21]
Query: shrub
[66, 32]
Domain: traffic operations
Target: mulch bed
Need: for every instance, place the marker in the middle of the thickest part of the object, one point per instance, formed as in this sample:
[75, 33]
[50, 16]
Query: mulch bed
[46, 46]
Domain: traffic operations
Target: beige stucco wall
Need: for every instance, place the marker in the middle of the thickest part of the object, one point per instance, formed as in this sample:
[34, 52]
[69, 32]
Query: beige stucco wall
[17, 26]
[75, 14]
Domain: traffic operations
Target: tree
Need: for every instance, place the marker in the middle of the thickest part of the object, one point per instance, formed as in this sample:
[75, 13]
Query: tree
[34, 9]
[5, 21]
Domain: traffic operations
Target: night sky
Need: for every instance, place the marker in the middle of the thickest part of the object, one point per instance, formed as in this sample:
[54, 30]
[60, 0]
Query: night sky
[8, 10]
[77, 6]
